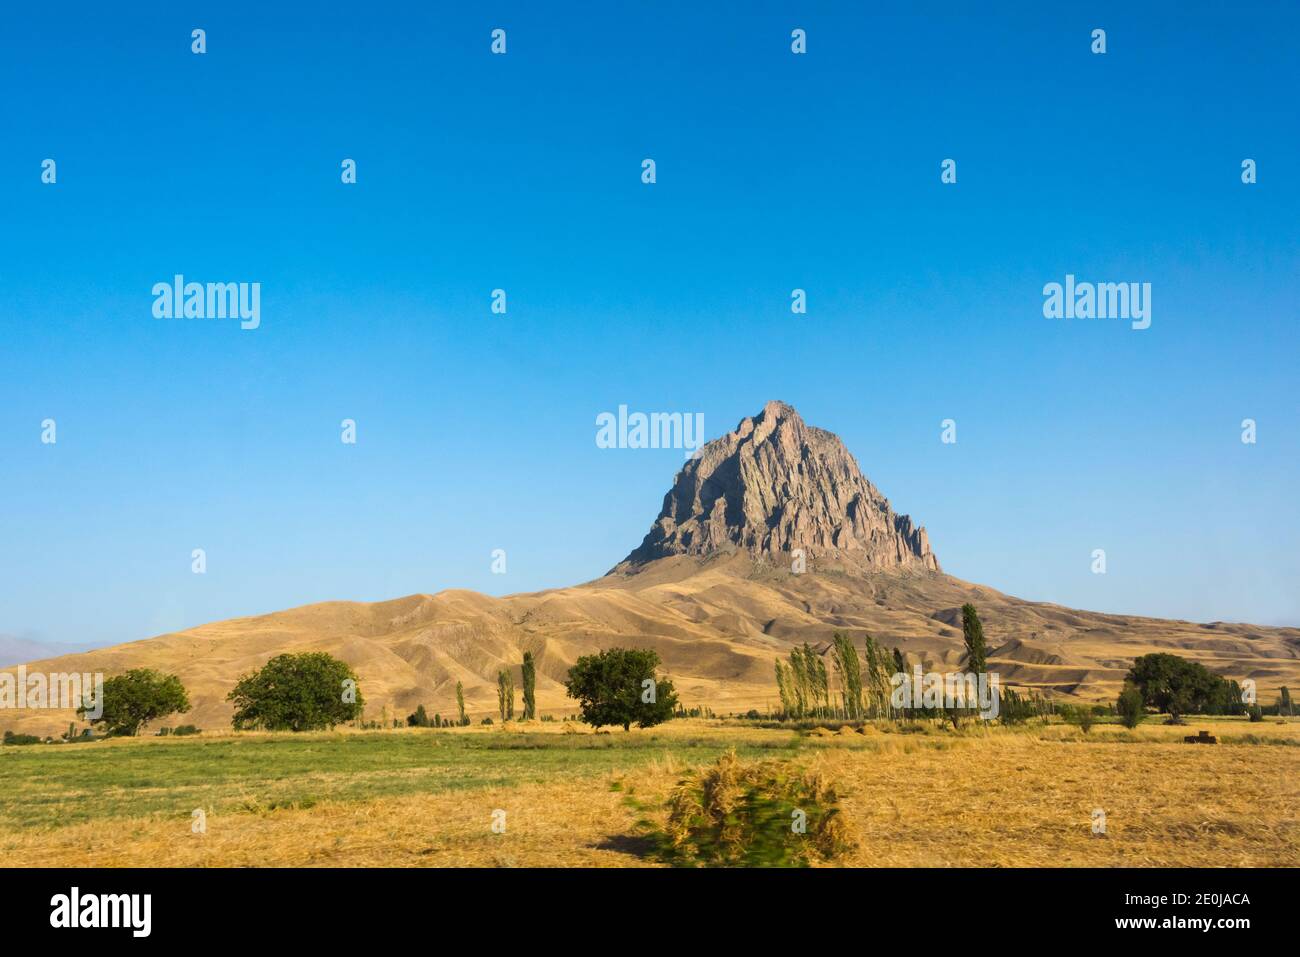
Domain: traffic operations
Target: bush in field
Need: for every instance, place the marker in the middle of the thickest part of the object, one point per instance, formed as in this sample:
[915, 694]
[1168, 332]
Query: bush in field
[766, 814]
[136, 697]
[618, 687]
[1130, 707]
[1081, 716]
[182, 730]
[11, 738]
[297, 693]
[418, 719]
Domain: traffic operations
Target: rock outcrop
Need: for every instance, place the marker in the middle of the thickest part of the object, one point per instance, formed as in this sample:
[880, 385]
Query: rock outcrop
[775, 485]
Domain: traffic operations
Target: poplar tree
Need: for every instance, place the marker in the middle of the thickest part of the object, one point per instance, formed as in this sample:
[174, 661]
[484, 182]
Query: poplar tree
[506, 695]
[800, 675]
[973, 632]
[823, 683]
[460, 703]
[530, 687]
[784, 681]
[849, 669]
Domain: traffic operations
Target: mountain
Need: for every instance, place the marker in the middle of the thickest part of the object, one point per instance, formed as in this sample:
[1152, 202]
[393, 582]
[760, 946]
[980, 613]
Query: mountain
[775, 486]
[714, 589]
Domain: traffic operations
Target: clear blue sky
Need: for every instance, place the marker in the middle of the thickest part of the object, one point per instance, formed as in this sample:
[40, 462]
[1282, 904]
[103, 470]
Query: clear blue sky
[522, 171]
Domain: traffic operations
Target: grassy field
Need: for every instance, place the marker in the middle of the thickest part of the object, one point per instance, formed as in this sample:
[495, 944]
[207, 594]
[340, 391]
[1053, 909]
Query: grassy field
[412, 797]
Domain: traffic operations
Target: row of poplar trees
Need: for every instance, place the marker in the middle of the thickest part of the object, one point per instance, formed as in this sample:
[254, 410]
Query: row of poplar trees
[805, 687]
[863, 679]
[506, 690]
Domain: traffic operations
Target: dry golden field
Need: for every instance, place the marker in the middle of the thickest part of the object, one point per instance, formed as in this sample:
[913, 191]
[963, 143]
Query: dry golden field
[983, 796]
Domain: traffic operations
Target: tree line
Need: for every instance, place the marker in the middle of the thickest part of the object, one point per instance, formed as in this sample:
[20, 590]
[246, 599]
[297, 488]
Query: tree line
[314, 690]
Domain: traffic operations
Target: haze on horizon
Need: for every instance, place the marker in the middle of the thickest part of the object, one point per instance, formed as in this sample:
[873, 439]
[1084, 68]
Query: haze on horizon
[476, 431]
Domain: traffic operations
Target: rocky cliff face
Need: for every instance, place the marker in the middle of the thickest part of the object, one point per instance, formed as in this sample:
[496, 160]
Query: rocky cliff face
[775, 485]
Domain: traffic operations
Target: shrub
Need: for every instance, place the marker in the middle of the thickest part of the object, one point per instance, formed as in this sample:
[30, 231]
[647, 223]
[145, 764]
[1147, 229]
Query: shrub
[1255, 713]
[11, 738]
[1130, 707]
[745, 815]
[297, 693]
[183, 730]
[1081, 716]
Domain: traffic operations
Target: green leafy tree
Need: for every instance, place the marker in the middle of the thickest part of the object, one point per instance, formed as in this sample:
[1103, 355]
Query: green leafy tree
[1177, 686]
[530, 686]
[619, 686]
[972, 632]
[460, 704]
[137, 697]
[1284, 705]
[823, 680]
[875, 678]
[419, 719]
[302, 692]
[1130, 706]
[506, 694]
[799, 672]
[784, 688]
[849, 668]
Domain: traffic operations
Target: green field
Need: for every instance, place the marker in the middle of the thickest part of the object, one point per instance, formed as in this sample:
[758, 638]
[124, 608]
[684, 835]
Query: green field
[57, 785]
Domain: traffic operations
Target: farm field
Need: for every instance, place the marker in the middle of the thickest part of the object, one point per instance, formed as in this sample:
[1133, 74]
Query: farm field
[929, 796]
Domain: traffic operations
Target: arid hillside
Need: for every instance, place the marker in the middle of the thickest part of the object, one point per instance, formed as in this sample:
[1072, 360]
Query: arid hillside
[770, 536]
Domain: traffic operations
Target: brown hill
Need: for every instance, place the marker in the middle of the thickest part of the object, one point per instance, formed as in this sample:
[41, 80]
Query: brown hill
[713, 591]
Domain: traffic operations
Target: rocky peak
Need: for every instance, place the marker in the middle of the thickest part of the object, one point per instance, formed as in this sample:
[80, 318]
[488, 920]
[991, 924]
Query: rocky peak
[776, 484]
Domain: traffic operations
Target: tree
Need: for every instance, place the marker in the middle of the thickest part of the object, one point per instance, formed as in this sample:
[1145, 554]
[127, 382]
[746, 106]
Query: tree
[297, 693]
[460, 703]
[1130, 706]
[822, 679]
[506, 694]
[1284, 706]
[618, 686]
[973, 633]
[136, 697]
[875, 679]
[530, 687]
[799, 674]
[1177, 686]
[849, 667]
[420, 719]
[784, 688]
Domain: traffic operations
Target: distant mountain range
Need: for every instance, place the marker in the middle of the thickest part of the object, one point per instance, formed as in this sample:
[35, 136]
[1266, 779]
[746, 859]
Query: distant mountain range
[15, 650]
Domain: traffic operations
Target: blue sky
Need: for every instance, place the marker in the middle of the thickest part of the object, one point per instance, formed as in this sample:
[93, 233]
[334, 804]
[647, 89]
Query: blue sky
[775, 171]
